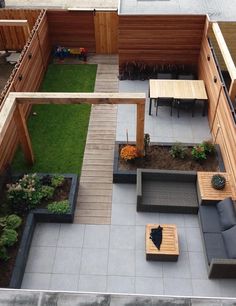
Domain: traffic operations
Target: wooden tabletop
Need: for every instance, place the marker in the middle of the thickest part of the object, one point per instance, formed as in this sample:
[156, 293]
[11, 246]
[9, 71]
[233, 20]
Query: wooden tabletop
[207, 192]
[178, 89]
[169, 245]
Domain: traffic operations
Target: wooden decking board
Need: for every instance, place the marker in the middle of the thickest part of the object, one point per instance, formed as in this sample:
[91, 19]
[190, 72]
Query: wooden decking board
[95, 192]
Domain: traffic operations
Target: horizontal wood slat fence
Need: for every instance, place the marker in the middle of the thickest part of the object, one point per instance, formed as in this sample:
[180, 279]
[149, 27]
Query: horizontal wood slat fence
[13, 37]
[161, 39]
[219, 114]
[26, 76]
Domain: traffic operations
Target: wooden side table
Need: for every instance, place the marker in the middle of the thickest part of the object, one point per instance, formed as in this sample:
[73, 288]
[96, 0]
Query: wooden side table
[169, 249]
[206, 193]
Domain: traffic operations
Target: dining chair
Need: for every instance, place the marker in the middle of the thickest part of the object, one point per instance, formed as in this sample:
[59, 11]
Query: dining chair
[185, 104]
[164, 76]
[186, 77]
[168, 101]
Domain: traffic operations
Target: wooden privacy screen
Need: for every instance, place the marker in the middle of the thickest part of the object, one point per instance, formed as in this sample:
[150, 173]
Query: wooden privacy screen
[160, 39]
[72, 29]
[220, 118]
[106, 32]
[13, 38]
[27, 77]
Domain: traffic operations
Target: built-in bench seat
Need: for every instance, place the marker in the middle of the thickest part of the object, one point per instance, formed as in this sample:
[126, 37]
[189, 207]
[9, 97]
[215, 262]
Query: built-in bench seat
[166, 191]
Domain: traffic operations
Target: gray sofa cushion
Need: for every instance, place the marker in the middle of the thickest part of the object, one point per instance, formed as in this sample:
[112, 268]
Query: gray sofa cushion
[226, 213]
[214, 246]
[209, 219]
[229, 237]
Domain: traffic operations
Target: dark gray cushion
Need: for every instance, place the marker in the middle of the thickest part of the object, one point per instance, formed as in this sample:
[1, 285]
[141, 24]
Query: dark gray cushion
[214, 246]
[229, 237]
[226, 213]
[209, 219]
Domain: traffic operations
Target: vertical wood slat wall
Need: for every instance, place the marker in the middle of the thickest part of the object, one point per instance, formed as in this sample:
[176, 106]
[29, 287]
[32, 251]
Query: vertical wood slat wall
[72, 29]
[160, 39]
[13, 38]
[32, 68]
[223, 127]
[106, 32]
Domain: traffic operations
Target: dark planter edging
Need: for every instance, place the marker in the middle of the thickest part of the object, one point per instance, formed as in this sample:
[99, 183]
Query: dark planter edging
[41, 215]
[130, 176]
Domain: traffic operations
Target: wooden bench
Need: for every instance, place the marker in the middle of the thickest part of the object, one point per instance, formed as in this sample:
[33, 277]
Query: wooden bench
[169, 249]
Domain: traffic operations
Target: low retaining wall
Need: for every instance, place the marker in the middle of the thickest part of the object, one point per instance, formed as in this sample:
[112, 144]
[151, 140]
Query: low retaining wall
[41, 215]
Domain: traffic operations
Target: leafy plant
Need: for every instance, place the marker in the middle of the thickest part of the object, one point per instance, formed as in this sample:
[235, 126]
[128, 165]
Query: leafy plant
[47, 192]
[26, 193]
[198, 152]
[9, 237]
[208, 147]
[146, 142]
[218, 181]
[128, 153]
[178, 151]
[57, 180]
[61, 207]
[13, 221]
[3, 252]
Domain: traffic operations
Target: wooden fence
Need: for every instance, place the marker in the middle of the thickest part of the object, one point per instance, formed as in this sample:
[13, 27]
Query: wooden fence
[27, 76]
[161, 39]
[221, 121]
[13, 38]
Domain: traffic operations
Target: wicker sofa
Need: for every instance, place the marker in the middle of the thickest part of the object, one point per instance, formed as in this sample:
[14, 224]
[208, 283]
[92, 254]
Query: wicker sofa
[218, 225]
[166, 191]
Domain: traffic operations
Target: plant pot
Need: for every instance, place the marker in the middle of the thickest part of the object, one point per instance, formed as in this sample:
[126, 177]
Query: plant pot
[218, 182]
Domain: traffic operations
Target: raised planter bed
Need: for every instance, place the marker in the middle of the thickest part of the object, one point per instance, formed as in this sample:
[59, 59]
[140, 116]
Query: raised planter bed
[129, 176]
[41, 215]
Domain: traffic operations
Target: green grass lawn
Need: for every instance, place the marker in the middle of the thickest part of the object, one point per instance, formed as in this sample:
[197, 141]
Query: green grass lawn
[58, 132]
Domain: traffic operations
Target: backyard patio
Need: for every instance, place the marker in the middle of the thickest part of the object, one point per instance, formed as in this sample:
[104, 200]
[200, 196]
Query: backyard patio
[111, 258]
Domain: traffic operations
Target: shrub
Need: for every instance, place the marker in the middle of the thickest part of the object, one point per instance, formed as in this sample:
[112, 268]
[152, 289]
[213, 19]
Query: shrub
[25, 193]
[218, 181]
[198, 153]
[128, 153]
[3, 253]
[13, 221]
[9, 237]
[208, 147]
[61, 207]
[178, 151]
[57, 180]
[47, 192]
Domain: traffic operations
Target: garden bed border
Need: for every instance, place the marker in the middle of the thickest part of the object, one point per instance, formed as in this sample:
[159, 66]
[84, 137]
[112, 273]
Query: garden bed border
[129, 176]
[41, 215]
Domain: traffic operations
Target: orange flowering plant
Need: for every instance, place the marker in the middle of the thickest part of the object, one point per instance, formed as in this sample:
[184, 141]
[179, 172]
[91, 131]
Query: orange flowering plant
[128, 152]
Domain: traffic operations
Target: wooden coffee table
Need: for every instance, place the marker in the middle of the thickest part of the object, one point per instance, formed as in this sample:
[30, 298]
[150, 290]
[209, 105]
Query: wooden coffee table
[169, 250]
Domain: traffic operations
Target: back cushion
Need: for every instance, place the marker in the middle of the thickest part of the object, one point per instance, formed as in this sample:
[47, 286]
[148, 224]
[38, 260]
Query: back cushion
[226, 213]
[229, 237]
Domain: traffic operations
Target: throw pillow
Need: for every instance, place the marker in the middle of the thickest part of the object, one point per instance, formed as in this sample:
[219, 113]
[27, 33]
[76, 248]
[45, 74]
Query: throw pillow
[226, 213]
[229, 237]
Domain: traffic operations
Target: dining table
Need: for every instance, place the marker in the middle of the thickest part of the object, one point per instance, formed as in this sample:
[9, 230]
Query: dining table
[177, 89]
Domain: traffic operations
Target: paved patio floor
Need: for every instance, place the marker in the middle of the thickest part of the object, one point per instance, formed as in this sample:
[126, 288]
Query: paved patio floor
[111, 258]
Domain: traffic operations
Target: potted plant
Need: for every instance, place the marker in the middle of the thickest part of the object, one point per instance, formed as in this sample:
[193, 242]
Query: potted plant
[218, 181]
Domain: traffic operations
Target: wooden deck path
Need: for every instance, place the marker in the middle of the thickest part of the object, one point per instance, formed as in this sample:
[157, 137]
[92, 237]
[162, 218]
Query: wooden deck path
[95, 191]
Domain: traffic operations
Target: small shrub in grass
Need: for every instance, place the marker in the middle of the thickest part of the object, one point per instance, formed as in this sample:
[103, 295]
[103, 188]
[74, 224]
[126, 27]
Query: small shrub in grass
[61, 207]
[57, 180]
[13, 221]
[178, 151]
[198, 153]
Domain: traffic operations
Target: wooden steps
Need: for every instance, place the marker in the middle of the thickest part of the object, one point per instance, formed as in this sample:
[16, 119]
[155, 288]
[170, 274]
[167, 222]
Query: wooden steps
[95, 192]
